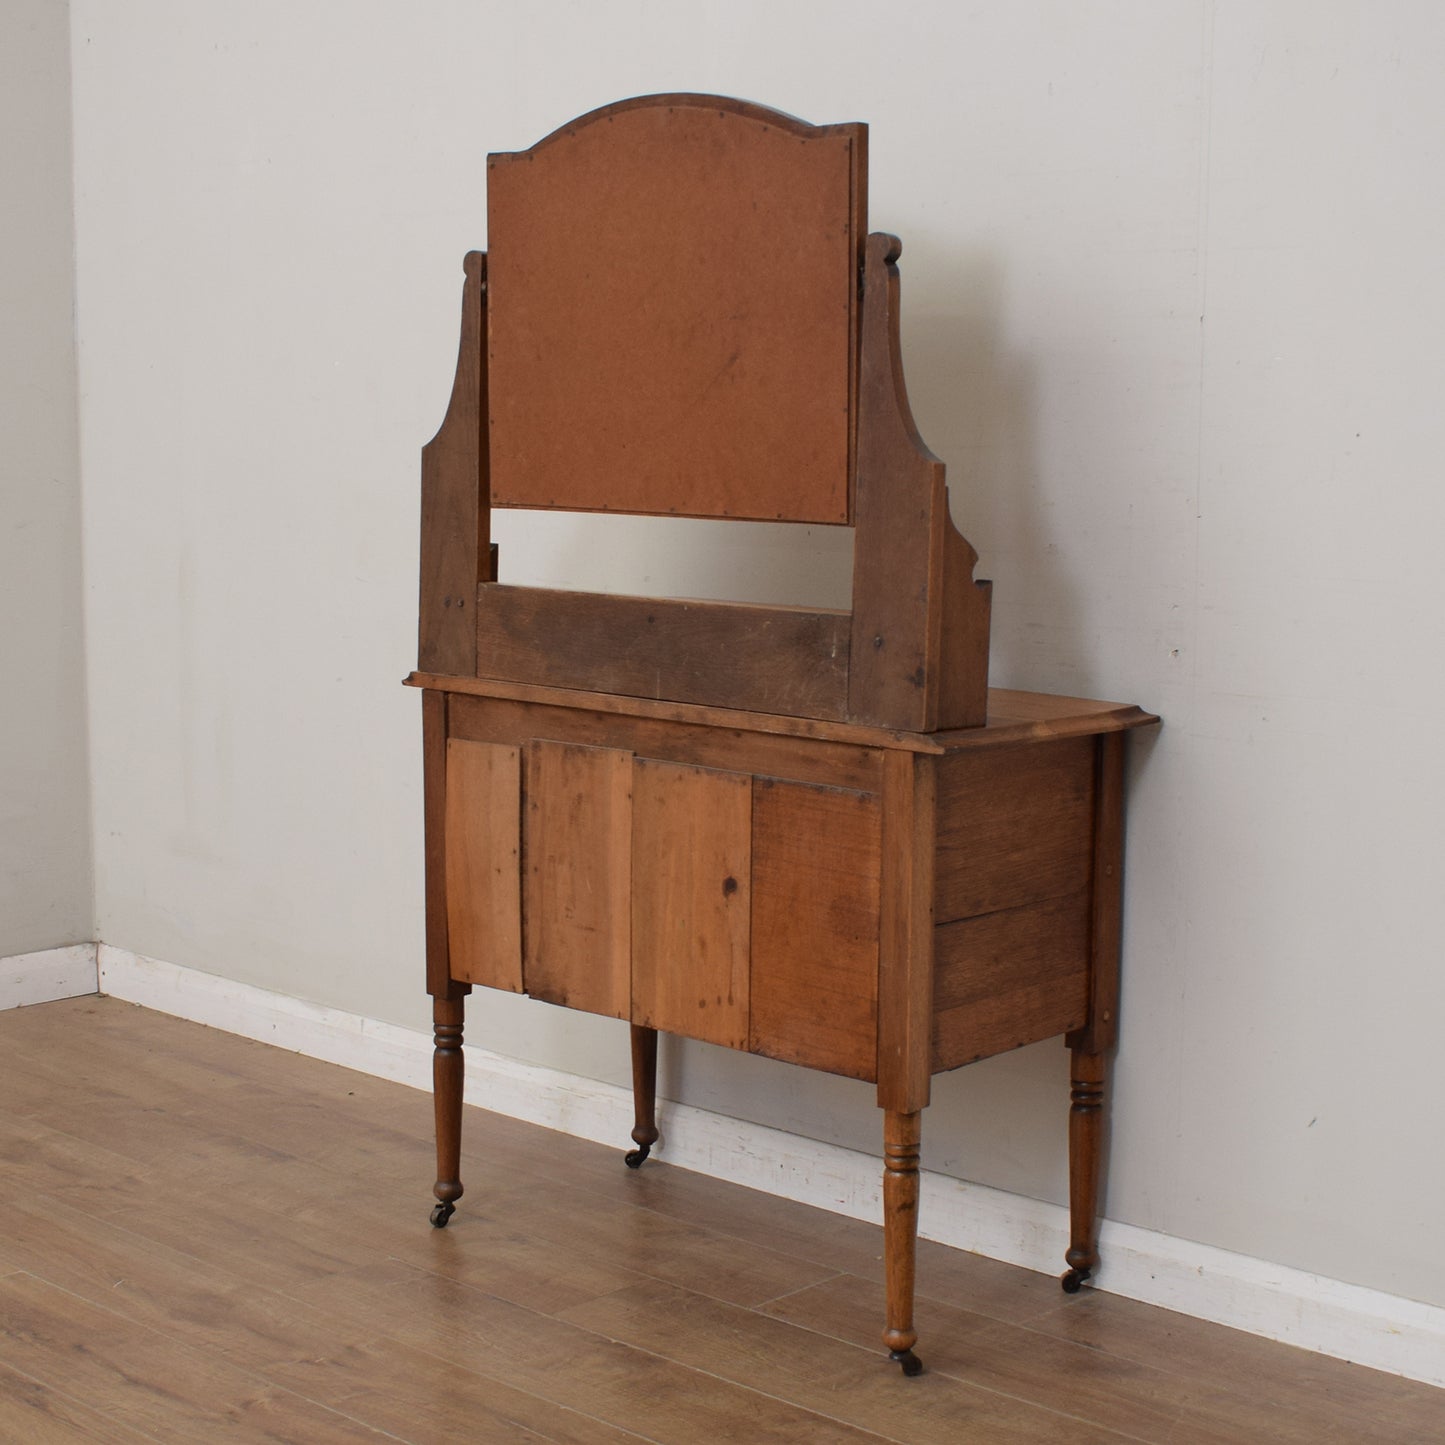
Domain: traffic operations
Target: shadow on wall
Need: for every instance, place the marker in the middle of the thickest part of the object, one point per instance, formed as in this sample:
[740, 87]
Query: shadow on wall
[1002, 1121]
[974, 402]
[973, 406]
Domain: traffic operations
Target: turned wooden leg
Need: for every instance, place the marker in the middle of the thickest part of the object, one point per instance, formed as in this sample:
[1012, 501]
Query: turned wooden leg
[644, 1094]
[447, 1070]
[901, 1133]
[1086, 1144]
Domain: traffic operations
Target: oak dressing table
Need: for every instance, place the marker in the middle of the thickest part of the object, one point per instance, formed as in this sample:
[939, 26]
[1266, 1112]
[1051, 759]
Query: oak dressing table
[811, 834]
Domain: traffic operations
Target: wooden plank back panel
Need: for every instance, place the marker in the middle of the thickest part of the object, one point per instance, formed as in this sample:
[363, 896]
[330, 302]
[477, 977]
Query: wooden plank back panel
[483, 863]
[840, 765]
[691, 900]
[1015, 826]
[1010, 978]
[723, 654]
[816, 868]
[577, 884]
[672, 302]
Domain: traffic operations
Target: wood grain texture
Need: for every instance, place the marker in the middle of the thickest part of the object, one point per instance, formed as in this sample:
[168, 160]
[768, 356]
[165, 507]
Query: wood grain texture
[1015, 826]
[672, 312]
[1035, 717]
[762, 659]
[455, 513]
[902, 1135]
[1154, 1377]
[1106, 921]
[963, 636]
[302, 1263]
[856, 1388]
[439, 981]
[90, 1352]
[1009, 978]
[1088, 1079]
[816, 868]
[1014, 717]
[644, 1086]
[579, 1369]
[577, 851]
[503, 720]
[906, 935]
[448, 1082]
[484, 863]
[36, 1412]
[691, 901]
[912, 571]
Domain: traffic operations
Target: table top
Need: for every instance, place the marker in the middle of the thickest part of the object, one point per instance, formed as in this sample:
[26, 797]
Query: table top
[1013, 716]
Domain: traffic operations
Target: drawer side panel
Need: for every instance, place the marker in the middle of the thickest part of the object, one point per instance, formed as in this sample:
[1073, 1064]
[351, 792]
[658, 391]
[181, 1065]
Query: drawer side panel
[1010, 978]
[1015, 826]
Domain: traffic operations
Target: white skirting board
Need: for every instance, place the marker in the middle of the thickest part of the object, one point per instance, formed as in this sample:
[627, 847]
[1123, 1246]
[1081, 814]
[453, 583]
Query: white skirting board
[53, 973]
[1366, 1326]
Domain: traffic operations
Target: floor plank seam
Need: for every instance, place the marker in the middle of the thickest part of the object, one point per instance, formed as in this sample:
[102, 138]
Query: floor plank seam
[725, 1233]
[649, 1354]
[761, 1305]
[736, 1384]
[960, 1379]
[1157, 1377]
[1175, 1372]
[202, 1353]
[490, 1376]
[75, 1400]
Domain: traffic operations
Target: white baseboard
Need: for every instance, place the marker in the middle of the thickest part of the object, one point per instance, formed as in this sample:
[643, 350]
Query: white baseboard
[1348, 1321]
[53, 973]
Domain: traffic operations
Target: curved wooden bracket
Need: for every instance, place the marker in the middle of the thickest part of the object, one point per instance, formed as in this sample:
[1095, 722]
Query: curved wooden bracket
[919, 650]
[914, 655]
[455, 510]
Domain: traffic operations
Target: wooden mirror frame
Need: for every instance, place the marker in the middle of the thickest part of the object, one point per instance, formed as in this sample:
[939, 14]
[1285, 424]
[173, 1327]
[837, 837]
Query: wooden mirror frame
[911, 654]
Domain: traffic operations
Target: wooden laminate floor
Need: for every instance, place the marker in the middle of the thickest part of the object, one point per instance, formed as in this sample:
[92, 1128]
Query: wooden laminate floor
[203, 1238]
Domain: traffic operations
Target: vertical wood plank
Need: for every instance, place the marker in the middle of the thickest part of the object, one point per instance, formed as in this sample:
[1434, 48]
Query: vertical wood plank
[483, 863]
[439, 982]
[905, 950]
[815, 926]
[577, 883]
[691, 900]
[1106, 921]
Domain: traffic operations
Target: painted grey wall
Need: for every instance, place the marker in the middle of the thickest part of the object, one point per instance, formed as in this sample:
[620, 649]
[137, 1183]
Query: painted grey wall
[45, 849]
[1174, 318]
